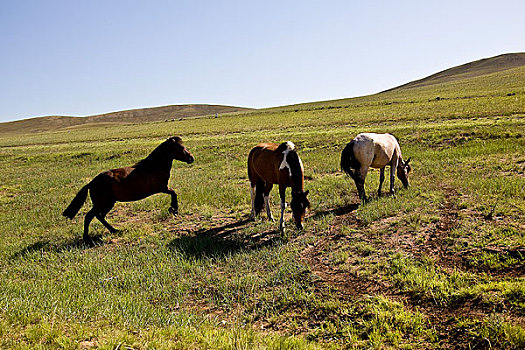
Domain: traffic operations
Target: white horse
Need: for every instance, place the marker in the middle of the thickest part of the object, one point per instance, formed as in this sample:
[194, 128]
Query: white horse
[376, 151]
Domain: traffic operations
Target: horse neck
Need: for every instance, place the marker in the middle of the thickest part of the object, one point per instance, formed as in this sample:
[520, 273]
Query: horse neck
[397, 150]
[399, 158]
[297, 173]
[157, 159]
[298, 187]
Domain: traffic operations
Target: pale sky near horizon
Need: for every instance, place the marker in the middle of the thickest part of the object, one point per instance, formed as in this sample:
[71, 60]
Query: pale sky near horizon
[80, 58]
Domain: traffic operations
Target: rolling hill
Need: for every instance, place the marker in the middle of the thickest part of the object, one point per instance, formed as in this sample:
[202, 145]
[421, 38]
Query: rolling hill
[500, 75]
[469, 70]
[49, 123]
[459, 74]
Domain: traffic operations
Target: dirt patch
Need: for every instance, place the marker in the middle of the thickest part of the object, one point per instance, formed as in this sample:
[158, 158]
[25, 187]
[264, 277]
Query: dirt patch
[431, 241]
[348, 284]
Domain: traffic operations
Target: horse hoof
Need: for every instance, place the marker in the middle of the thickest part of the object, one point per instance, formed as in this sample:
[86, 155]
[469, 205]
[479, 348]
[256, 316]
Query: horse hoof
[173, 211]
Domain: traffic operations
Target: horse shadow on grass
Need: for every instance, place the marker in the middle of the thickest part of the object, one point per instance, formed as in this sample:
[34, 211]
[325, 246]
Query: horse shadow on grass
[215, 242]
[222, 241]
[47, 246]
[339, 211]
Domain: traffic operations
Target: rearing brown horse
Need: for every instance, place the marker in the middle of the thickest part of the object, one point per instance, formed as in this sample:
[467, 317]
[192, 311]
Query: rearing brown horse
[269, 164]
[147, 177]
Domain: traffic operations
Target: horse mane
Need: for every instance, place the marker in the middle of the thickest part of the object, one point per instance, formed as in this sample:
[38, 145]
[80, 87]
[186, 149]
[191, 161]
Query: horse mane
[294, 162]
[155, 158]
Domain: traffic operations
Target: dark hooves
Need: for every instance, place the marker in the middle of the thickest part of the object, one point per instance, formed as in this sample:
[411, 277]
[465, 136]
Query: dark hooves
[173, 211]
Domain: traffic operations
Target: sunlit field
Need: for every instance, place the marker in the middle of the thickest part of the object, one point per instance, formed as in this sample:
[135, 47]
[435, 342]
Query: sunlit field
[440, 265]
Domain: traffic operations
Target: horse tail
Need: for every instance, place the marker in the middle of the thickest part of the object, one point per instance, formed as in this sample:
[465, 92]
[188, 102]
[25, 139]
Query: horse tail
[348, 160]
[258, 202]
[77, 202]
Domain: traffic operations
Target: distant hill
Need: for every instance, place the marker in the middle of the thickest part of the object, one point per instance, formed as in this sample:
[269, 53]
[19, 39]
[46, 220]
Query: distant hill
[469, 70]
[476, 69]
[143, 115]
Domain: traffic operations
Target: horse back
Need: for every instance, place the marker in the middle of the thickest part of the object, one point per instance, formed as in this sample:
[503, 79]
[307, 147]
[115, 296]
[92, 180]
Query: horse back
[376, 150]
[131, 183]
[117, 175]
[263, 163]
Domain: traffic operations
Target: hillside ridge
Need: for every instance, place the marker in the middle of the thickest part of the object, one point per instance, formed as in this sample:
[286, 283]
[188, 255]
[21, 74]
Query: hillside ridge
[174, 112]
[141, 115]
[469, 70]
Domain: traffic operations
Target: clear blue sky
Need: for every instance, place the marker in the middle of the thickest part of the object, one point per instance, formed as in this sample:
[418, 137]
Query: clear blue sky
[75, 57]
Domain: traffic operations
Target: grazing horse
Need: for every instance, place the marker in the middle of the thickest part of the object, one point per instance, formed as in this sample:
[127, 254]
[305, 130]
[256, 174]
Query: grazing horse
[376, 151]
[269, 164]
[147, 177]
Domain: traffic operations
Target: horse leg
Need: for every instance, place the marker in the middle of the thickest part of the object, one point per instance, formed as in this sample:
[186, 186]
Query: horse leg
[253, 214]
[259, 188]
[360, 182]
[282, 195]
[101, 216]
[87, 220]
[381, 180]
[102, 219]
[393, 168]
[174, 208]
[267, 201]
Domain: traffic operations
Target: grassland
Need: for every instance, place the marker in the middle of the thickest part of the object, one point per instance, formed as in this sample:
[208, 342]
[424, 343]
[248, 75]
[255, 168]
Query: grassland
[438, 266]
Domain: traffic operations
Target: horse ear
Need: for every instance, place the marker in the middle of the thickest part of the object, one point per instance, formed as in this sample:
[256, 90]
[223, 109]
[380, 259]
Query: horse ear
[408, 160]
[175, 139]
[306, 193]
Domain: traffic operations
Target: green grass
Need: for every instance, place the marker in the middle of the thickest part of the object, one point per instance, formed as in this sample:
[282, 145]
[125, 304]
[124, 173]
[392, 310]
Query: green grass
[210, 279]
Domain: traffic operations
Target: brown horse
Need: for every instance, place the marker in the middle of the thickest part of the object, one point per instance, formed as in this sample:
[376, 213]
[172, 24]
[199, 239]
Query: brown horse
[147, 177]
[269, 164]
[370, 150]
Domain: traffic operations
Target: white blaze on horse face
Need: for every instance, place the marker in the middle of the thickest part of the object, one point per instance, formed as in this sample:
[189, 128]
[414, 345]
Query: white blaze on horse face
[284, 164]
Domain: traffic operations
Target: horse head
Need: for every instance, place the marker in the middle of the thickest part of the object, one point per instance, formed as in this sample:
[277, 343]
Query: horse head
[402, 171]
[178, 150]
[299, 204]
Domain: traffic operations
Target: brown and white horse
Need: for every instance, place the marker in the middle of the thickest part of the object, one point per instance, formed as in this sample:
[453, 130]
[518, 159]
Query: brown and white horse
[147, 177]
[269, 164]
[376, 151]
